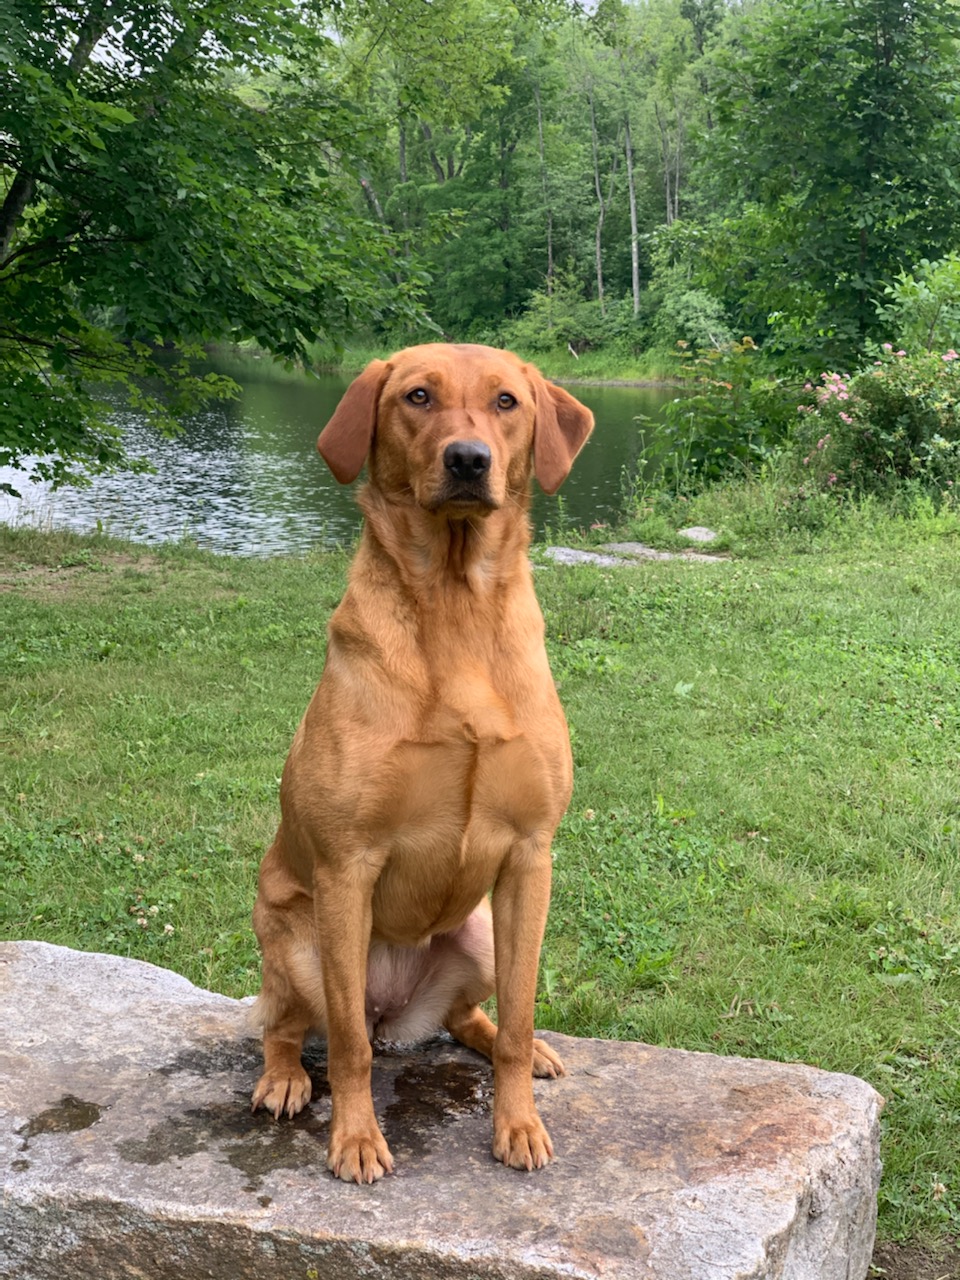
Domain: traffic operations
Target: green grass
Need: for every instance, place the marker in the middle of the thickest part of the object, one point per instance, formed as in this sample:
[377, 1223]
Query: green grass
[774, 510]
[760, 857]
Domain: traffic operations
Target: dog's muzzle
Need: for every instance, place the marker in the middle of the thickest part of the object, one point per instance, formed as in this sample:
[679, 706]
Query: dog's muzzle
[466, 475]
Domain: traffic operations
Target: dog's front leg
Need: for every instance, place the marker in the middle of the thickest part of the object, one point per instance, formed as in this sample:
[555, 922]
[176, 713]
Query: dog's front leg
[521, 897]
[342, 903]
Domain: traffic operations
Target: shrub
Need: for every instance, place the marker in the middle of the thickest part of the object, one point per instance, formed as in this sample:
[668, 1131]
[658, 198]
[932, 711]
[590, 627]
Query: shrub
[899, 419]
[924, 306]
[732, 414]
[563, 318]
[692, 316]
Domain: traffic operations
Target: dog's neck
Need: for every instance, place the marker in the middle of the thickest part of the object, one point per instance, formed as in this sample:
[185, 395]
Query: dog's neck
[428, 550]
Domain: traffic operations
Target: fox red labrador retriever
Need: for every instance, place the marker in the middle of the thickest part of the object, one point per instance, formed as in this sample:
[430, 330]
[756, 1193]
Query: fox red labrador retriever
[433, 763]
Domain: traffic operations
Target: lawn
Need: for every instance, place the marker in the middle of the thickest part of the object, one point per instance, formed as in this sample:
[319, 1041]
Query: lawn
[761, 854]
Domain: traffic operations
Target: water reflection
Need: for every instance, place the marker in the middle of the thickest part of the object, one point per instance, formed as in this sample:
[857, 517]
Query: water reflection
[245, 477]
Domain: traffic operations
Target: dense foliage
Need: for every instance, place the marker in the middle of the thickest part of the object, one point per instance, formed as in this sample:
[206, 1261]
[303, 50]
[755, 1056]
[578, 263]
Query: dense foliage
[567, 179]
[150, 208]
[683, 169]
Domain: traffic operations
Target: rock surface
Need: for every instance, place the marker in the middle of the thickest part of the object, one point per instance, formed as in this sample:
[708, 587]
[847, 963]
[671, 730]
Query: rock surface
[698, 533]
[572, 555]
[614, 554]
[640, 551]
[129, 1151]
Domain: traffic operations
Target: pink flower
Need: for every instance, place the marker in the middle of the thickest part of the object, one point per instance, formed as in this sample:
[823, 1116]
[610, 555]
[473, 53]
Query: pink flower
[831, 479]
[951, 355]
[901, 353]
[808, 386]
[845, 417]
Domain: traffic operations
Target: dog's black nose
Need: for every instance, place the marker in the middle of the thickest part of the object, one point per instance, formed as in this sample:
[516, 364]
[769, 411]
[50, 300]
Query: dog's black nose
[467, 459]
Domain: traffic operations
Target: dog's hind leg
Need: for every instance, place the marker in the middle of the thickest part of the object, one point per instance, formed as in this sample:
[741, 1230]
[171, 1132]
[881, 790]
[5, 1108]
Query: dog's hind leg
[284, 1087]
[291, 998]
[465, 1020]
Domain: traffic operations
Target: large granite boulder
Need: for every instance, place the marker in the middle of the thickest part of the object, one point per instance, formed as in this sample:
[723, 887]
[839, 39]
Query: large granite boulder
[129, 1151]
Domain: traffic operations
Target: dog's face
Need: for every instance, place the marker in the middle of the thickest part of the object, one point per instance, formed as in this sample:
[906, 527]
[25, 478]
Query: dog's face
[455, 428]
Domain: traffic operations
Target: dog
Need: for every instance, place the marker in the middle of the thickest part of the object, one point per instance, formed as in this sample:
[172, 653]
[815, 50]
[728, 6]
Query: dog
[433, 763]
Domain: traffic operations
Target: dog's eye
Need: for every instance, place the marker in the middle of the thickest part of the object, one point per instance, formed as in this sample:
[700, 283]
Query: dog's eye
[418, 396]
[505, 400]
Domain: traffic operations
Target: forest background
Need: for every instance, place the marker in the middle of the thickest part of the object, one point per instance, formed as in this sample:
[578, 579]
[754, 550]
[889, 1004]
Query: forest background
[760, 195]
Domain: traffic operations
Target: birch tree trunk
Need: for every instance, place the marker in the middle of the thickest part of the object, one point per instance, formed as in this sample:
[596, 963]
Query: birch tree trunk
[634, 232]
[546, 192]
[603, 203]
[601, 211]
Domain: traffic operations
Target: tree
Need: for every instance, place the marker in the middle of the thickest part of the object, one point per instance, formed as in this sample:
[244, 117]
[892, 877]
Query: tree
[149, 208]
[838, 119]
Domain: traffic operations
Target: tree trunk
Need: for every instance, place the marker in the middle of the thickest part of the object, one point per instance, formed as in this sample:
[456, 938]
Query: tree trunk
[634, 232]
[24, 185]
[601, 211]
[671, 155]
[371, 195]
[678, 157]
[602, 204]
[18, 197]
[546, 193]
[665, 159]
[437, 167]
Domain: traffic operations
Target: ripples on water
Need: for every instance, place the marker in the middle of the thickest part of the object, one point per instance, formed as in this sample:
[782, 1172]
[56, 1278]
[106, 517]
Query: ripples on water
[244, 478]
[229, 498]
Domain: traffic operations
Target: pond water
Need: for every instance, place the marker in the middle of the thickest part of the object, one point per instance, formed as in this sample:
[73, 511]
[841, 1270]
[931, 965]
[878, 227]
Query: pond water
[245, 477]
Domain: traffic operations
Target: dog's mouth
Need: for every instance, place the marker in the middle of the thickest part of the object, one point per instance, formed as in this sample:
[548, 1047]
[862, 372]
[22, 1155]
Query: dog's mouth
[462, 506]
[463, 499]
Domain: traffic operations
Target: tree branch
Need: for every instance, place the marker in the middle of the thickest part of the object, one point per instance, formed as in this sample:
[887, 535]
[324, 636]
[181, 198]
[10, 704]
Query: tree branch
[24, 186]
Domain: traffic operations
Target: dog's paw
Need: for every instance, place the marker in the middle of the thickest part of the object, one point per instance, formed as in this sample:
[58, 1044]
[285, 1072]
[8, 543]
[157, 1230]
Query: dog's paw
[359, 1157]
[282, 1092]
[546, 1062]
[523, 1145]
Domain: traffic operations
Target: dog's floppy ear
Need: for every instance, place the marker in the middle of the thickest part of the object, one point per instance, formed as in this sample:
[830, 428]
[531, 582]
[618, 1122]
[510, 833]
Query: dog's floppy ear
[346, 439]
[562, 428]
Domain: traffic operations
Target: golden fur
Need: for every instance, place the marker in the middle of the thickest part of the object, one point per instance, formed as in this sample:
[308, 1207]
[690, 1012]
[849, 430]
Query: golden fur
[433, 763]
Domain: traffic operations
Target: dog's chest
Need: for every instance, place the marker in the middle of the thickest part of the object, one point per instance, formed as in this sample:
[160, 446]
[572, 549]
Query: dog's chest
[467, 706]
[454, 813]
[483, 767]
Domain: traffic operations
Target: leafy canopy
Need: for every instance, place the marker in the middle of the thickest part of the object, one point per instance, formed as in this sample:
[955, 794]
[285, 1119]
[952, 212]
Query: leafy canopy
[838, 119]
[153, 202]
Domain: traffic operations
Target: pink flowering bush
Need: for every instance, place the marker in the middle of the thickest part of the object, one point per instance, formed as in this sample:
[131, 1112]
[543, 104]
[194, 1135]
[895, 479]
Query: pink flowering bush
[899, 418]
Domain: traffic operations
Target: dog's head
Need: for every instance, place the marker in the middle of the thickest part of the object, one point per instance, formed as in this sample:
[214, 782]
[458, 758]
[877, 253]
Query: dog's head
[457, 428]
